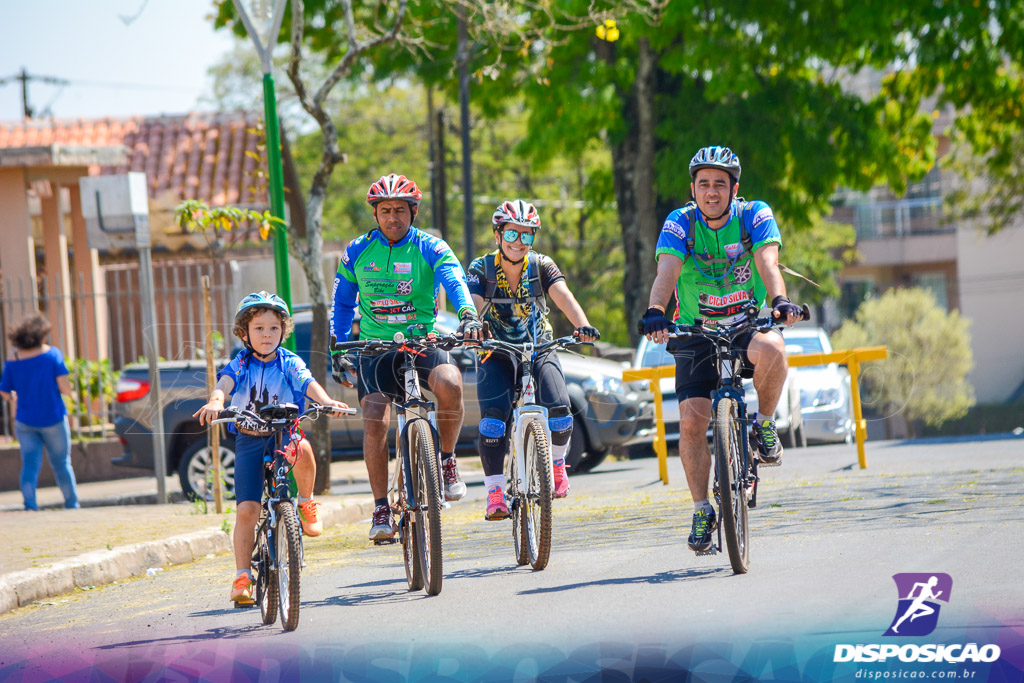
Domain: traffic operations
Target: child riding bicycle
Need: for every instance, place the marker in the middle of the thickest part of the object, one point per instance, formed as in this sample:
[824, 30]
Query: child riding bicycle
[264, 374]
[509, 288]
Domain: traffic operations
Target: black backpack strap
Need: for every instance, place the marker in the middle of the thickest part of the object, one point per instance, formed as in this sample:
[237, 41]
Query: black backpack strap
[745, 238]
[533, 279]
[490, 278]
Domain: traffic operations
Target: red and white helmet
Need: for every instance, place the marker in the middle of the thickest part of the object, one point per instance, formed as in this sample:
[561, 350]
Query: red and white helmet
[393, 186]
[516, 212]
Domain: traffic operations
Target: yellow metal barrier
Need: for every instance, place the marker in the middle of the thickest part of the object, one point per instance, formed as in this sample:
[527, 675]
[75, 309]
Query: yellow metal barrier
[849, 357]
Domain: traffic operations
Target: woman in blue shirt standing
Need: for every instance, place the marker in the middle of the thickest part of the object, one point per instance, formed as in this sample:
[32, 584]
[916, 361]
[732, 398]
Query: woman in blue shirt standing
[37, 377]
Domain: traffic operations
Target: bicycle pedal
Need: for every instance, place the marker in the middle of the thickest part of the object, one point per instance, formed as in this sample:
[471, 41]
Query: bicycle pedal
[385, 541]
[446, 505]
[763, 463]
[244, 605]
[710, 551]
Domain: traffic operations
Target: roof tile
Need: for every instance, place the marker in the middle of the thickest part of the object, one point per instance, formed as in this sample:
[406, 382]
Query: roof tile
[189, 156]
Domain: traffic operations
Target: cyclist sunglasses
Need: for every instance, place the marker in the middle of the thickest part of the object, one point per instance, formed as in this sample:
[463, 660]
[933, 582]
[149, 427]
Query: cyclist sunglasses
[513, 235]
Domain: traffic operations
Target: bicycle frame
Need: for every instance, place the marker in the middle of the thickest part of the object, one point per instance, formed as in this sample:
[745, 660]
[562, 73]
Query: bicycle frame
[413, 402]
[525, 412]
[730, 386]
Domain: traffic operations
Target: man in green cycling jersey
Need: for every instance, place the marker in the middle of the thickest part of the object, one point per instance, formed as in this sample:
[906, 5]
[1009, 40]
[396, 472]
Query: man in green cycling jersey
[719, 254]
[394, 274]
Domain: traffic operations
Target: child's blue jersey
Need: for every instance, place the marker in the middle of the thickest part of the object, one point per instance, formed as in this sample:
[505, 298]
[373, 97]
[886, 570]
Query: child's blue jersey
[257, 384]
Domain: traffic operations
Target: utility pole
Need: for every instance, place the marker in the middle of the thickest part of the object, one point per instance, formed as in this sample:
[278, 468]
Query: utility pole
[24, 76]
[442, 177]
[467, 155]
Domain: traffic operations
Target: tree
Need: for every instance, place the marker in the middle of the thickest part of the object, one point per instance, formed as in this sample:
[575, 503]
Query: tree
[929, 356]
[353, 32]
[768, 79]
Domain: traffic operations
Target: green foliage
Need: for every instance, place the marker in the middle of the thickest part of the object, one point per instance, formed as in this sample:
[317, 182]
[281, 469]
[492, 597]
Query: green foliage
[580, 230]
[929, 356]
[988, 156]
[818, 253]
[195, 215]
[90, 380]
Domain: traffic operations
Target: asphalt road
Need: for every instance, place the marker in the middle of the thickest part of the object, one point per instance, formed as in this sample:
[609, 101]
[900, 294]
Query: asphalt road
[621, 592]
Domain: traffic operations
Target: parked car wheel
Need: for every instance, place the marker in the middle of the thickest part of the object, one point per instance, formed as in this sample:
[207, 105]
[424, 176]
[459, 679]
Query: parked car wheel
[195, 469]
[795, 436]
[591, 460]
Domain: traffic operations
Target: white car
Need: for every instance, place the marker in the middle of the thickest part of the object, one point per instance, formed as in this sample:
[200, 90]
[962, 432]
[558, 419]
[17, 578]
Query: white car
[649, 354]
[825, 398]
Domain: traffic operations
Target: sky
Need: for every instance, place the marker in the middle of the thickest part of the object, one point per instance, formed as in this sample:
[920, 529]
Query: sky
[156, 64]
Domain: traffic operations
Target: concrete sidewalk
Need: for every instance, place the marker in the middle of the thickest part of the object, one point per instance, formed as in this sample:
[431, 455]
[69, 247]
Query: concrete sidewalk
[120, 532]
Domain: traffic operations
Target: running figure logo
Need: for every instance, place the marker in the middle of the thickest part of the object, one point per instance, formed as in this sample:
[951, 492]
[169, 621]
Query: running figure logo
[918, 613]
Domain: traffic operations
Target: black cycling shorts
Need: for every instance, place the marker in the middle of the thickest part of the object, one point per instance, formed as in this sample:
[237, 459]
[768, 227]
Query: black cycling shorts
[696, 370]
[383, 374]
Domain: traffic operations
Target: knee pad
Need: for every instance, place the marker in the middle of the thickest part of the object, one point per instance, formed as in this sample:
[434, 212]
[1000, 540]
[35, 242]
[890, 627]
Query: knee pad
[560, 423]
[492, 431]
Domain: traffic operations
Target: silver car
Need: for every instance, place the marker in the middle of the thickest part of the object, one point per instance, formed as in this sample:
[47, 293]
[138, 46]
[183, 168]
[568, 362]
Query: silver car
[825, 398]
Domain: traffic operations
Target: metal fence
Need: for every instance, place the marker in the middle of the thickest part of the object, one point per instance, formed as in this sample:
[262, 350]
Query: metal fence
[95, 356]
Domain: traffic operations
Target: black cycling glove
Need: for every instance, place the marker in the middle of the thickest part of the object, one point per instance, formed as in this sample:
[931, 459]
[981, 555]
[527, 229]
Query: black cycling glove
[469, 323]
[341, 366]
[653, 320]
[783, 307]
[587, 331]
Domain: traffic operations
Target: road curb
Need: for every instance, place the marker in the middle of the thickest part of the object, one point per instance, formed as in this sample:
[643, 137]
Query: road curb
[101, 567]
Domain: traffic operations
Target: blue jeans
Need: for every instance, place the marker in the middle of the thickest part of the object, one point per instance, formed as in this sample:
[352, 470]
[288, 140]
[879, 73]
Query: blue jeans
[57, 440]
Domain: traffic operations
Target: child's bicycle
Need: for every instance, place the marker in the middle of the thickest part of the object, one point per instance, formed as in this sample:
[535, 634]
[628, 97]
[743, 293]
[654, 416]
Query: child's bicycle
[416, 491]
[530, 481]
[277, 558]
[735, 486]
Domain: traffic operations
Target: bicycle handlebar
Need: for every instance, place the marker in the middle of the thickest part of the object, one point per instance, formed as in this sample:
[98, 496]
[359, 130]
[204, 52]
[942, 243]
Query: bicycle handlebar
[729, 331]
[521, 349]
[315, 410]
[373, 347]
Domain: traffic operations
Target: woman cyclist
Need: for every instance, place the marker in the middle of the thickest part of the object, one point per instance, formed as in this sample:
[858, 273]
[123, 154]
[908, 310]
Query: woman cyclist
[510, 287]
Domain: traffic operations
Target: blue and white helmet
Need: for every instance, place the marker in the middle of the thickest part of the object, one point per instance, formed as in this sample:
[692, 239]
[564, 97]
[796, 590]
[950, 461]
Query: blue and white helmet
[262, 299]
[716, 157]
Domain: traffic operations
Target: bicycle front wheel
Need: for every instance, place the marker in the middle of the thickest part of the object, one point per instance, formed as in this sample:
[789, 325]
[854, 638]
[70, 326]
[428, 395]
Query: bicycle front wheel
[288, 546]
[266, 578]
[429, 500]
[539, 493]
[409, 527]
[729, 467]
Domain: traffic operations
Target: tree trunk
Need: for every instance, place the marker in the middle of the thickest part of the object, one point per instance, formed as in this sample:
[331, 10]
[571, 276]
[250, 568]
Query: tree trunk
[633, 174]
[319, 355]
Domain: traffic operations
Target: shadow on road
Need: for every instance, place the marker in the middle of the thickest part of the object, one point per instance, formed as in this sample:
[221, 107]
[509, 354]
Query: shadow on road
[660, 577]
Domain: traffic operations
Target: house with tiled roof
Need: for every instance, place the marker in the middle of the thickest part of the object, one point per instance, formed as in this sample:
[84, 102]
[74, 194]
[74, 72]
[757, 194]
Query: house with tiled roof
[45, 262]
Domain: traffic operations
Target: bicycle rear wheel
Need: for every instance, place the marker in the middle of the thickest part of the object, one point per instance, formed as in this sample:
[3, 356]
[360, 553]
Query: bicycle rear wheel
[729, 467]
[429, 500]
[288, 546]
[266, 578]
[539, 493]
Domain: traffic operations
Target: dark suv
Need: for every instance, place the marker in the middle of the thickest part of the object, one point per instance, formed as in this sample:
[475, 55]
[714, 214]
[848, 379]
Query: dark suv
[606, 411]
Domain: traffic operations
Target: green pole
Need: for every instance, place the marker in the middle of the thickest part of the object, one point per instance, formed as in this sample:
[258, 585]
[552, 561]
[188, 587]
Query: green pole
[276, 183]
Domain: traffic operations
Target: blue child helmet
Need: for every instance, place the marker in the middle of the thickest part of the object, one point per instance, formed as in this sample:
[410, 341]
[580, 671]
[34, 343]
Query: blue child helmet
[262, 299]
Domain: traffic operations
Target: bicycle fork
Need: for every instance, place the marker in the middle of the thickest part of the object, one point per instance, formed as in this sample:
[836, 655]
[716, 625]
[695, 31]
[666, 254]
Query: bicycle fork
[521, 419]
